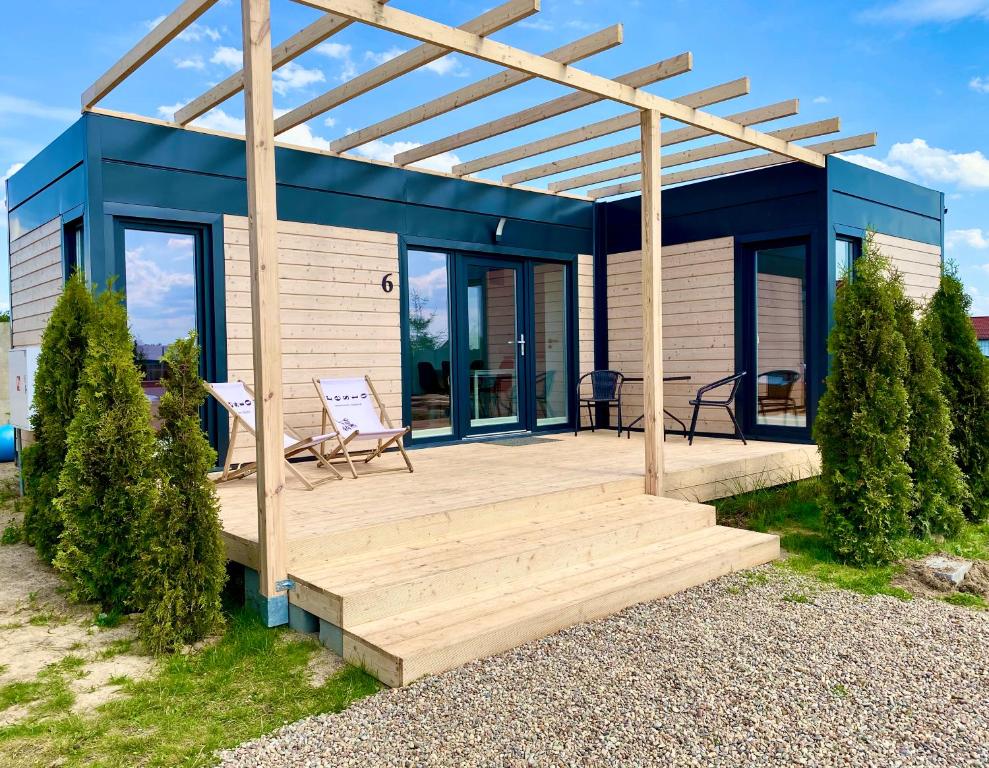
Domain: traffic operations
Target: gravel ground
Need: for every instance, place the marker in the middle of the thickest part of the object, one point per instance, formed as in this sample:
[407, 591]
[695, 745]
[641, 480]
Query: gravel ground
[756, 669]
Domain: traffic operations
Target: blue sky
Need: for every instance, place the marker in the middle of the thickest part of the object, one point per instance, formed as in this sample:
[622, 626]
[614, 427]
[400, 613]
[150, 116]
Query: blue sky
[916, 71]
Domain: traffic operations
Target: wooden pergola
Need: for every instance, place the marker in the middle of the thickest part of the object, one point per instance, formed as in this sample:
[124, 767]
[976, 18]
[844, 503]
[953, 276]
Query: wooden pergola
[646, 112]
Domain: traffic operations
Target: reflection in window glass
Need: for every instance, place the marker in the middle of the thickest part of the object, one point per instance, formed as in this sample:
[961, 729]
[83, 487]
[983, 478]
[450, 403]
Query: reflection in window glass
[161, 297]
[781, 309]
[550, 343]
[845, 251]
[429, 342]
[984, 346]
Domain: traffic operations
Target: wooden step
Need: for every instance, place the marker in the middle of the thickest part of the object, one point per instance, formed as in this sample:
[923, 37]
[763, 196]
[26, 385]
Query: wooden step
[444, 634]
[427, 527]
[358, 589]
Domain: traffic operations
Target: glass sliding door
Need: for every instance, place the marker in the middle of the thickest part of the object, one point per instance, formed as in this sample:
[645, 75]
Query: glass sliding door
[550, 352]
[781, 336]
[429, 344]
[495, 345]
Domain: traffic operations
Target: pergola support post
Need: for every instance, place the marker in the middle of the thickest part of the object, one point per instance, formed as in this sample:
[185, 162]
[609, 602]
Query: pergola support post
[652, 299]
[271, 598]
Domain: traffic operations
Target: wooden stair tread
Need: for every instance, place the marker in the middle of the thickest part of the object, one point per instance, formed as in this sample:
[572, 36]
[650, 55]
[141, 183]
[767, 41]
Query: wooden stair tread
[397, 564]
[454, 620]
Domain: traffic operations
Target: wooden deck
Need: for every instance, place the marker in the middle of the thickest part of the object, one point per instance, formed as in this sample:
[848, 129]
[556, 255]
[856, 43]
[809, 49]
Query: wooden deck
[489, 544]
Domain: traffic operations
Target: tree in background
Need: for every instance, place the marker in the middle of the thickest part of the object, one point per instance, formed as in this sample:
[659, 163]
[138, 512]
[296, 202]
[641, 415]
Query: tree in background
[60, 364]
[183, 566]
[965, 373]
[939, 488]
[108, 483]
[862, 419]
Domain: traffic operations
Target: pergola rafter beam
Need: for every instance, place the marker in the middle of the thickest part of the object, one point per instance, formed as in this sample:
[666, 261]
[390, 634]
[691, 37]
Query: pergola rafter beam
[487, 23]
[305, 40]
[861, 141]
[428, 31]
[613, 125]
[501, 81]
[161, 35]
[718, 149]
[661, 70]
[703, 98]
[605, 127]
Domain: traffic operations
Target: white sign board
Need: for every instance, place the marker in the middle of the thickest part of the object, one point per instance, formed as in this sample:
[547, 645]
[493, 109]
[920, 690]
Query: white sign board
[22, 365]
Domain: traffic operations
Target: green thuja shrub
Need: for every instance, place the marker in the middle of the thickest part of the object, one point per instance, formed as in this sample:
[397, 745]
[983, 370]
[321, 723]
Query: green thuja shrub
[108, 483]
[183, 566]
[938, 485]
[63, 349]
[862, 419]
[965, 373]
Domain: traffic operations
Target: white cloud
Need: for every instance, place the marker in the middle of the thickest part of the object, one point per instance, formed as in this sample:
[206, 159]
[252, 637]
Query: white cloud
[980, 301]
[426, 285]
[928, 11]
[979, 84]
[972, 238]
[194, 33]
[192, 62]
[329, 122]
[380, 57]
[291, 76]
[15, 105]
[918, 161]
[147, 281]
[226, 56]
[822, 100]
[538, 24]
[386, 151]
[448, 65]
[216, 119]
[338, 51]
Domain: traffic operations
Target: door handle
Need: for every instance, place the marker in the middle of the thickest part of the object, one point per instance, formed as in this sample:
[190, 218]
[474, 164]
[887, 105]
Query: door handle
[521, 343]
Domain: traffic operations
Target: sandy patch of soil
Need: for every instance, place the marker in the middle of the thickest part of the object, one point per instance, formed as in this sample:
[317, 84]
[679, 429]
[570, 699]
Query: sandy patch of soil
[39, 628]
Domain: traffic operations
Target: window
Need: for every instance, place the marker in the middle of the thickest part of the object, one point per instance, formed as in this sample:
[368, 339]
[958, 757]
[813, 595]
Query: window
[160, 286]
[429, 344]
[984, 346]
[846, 250]
[74, 246]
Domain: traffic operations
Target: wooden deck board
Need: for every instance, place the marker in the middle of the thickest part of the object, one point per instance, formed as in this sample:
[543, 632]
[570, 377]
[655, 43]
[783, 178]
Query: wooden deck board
[478, 474]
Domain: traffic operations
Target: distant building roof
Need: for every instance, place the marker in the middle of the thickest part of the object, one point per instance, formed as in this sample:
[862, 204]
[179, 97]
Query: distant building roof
[981, 327]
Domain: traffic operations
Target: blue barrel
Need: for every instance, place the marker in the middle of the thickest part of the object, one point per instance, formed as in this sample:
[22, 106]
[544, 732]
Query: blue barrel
[6, 443]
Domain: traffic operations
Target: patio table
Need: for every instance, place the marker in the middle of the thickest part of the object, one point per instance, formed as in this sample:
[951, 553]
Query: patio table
[640, 380]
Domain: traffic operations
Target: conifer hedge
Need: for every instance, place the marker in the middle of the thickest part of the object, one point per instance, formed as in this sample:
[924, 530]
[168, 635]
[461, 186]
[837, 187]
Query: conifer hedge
[60, 363]
[939, 488]
[183, 565]
[863, 419]
[108, 485]
[966, 385]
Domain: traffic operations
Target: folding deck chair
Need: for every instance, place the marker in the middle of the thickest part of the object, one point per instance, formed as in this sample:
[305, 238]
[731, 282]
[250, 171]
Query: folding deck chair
[238, 400]
[349, 412]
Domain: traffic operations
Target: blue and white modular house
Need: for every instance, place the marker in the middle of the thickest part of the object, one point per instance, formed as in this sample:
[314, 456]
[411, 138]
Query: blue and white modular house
[474, 306]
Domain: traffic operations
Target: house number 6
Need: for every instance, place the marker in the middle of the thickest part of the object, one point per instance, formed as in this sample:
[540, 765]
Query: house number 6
[386, 284]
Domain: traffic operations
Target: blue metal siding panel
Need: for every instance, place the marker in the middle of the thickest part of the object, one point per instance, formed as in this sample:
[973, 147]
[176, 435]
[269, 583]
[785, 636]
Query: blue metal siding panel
[53, 200]
[54, 161]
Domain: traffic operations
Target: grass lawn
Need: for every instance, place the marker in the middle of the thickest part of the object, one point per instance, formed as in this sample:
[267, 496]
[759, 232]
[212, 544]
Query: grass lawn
[792, 511]
[249, 683]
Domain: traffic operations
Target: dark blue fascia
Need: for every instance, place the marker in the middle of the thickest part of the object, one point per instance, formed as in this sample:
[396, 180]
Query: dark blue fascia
[194, 170]
[51, 184]
[863, 199]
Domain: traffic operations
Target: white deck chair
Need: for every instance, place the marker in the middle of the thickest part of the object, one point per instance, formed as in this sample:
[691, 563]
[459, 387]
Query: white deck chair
[238, 400]
[350, 409]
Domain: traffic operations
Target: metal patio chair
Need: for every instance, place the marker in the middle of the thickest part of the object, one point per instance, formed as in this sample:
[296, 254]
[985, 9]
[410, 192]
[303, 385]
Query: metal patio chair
[779, 391]
[606, 389]
[724, 402]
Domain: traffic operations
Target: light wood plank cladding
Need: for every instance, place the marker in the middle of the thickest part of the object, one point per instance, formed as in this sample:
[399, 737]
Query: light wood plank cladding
[336, 319]
[585, 313]
[35, 281]
[698, 324]
[920, 264]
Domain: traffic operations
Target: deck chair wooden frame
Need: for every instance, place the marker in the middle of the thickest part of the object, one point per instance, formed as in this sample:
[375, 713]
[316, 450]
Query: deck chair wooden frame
[302, 445]
[392, 435]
